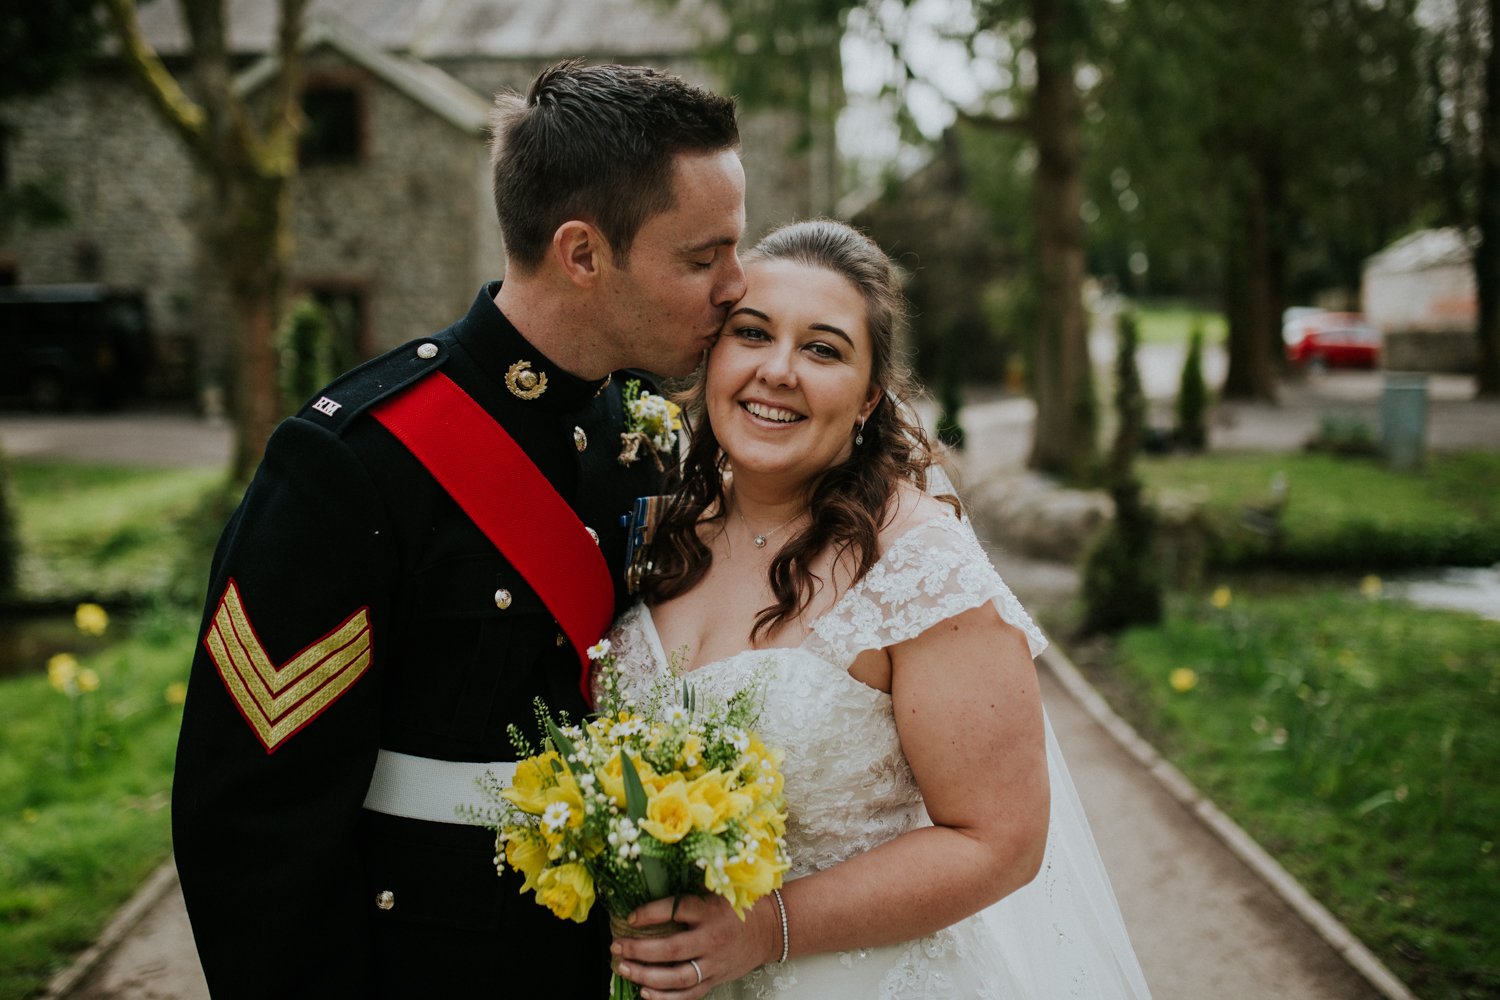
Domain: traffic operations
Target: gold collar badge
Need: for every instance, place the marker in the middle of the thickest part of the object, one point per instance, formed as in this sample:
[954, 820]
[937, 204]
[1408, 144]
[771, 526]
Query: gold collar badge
[523, 383]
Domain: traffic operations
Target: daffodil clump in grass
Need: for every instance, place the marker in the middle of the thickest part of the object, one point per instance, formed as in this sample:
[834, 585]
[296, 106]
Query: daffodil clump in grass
[86, 755]
[1358, 740]
[652, 797]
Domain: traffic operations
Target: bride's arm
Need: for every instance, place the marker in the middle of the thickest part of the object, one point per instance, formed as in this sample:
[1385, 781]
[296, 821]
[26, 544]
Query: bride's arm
[970, 720]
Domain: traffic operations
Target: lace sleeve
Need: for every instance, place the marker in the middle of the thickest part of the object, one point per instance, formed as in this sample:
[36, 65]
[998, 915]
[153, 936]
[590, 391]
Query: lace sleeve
[635, 657]
[931, 573]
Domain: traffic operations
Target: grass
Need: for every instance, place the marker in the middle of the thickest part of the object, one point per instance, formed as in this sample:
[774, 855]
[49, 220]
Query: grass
[85, 783]
[1170, 323]
[1357, 740]
[103, 533]
[1343, 513]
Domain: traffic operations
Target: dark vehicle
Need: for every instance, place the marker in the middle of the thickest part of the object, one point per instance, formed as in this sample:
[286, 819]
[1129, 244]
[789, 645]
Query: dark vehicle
[68, 344]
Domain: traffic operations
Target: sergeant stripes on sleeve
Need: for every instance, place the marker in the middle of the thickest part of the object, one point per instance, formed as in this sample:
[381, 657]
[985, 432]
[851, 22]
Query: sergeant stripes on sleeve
[278, 701]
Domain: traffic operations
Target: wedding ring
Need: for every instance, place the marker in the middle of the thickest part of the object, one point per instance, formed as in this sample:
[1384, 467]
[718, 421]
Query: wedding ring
[694, 963]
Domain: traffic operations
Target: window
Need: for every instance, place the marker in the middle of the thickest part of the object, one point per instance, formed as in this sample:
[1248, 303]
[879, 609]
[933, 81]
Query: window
[332, 132]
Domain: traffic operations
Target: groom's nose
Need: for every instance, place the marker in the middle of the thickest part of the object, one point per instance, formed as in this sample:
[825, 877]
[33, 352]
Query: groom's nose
[731, 286]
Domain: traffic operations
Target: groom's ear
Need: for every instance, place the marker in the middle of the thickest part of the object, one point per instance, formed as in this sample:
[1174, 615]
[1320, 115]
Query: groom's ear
[581, 251]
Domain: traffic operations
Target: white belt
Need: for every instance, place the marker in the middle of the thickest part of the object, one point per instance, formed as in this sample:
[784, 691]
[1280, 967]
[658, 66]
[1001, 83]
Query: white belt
[424, 788]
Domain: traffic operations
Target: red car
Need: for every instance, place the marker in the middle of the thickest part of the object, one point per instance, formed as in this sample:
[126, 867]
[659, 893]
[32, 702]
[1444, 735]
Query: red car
[1332, 340]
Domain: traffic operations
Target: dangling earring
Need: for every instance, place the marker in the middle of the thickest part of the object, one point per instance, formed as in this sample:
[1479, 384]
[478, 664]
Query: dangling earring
[859, 437]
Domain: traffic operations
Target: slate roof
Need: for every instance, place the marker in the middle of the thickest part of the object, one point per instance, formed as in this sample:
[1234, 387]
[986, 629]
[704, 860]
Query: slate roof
[438, 29]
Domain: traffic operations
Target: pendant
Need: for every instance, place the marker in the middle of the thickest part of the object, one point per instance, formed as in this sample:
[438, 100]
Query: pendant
[760, 541]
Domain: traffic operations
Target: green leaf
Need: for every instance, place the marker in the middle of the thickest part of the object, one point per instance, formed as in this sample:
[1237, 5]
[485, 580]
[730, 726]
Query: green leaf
[565, 747]
[635, 792]
[657, 880]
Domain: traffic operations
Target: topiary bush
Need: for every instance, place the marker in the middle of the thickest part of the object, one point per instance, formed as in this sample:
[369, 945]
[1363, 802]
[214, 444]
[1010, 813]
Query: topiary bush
[1192, 397]
[1121, 580]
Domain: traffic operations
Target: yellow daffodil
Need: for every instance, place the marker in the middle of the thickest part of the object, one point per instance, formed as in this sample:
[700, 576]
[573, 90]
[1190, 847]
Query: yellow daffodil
[176, 693]
[88, 680]
[526, 854]
[721, 804]
[670, 816]
[91, 618]
[528, 789]
[1183, 679]
[566, 890]
[566, 791]
[62, 669]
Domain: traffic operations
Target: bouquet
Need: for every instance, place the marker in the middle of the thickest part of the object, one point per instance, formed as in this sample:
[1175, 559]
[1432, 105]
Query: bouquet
[675, 796]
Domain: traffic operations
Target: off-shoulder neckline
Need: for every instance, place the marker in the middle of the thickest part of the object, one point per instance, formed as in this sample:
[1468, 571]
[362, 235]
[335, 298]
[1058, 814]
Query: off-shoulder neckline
[658, 648]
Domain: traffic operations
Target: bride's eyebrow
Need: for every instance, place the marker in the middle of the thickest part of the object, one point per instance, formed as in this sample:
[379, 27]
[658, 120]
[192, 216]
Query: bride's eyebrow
[827, 328]
[753, 312]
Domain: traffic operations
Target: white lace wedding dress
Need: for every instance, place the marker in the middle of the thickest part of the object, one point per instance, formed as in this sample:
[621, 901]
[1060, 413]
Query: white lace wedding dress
[849, 788]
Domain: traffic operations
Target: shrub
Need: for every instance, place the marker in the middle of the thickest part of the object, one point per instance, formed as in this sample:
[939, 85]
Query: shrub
[1192, 397]
[307, 362]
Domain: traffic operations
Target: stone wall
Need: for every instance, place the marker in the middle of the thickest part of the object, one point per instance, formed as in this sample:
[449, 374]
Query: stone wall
[131, 195]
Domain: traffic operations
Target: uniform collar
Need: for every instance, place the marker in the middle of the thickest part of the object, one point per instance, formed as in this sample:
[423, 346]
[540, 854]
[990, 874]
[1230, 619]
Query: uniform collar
[497, 346]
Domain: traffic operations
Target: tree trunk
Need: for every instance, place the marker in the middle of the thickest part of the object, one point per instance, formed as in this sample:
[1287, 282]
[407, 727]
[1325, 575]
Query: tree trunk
[1252, 371]
[250, 170]
[1064, 441]
[1487, 254]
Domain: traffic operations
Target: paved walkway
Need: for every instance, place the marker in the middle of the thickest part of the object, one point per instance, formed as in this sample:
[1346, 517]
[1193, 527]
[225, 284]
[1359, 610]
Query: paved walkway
[117, 438]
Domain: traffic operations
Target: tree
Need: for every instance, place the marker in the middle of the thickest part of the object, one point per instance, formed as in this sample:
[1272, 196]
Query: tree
[1121, 585]
[1273, 139]
[784, 52]
[1192, 396]
[250, 161]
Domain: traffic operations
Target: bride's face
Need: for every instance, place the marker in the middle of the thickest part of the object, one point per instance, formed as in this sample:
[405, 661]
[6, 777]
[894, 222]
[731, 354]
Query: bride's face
[789, 378]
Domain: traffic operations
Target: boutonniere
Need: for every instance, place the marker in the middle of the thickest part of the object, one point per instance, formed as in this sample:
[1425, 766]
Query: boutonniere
[651, 422]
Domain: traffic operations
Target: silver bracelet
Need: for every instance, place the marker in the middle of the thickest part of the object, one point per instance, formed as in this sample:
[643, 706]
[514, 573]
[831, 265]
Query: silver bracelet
[786, 944]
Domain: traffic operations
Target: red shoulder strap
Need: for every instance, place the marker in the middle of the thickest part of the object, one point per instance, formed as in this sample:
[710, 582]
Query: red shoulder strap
[509, 499]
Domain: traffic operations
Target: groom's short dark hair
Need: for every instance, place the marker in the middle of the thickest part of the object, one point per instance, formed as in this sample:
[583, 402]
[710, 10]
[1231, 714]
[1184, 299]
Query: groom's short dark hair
[596, 143]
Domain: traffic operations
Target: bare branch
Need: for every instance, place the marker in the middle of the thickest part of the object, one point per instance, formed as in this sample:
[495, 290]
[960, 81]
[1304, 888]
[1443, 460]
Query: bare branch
[180, 111]
[994, 123]
[284, 119]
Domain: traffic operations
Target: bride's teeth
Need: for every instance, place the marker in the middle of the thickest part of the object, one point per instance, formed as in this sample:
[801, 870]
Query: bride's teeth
[772, 413]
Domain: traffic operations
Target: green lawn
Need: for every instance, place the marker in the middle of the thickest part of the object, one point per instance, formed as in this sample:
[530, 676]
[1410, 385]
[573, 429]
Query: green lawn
[1171, 323]
[1343, 513]
[106, 533]
[85, 782]
[1358, 740]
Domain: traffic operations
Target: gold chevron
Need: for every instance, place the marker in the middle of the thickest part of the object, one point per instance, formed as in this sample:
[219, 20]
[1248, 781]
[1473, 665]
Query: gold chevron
[278, 701]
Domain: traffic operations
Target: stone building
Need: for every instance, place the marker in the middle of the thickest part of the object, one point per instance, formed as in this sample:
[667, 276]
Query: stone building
[393, 223]
[1420, 293]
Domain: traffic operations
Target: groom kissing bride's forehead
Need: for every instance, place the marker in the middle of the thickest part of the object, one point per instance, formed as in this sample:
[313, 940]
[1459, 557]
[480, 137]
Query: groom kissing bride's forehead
[428, 547]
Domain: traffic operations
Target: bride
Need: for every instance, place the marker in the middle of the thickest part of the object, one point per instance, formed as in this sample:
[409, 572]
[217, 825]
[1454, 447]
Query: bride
[938, 848]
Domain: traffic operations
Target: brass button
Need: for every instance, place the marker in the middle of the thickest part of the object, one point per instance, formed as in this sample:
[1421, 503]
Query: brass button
[385, 899]
[502, 598]
[427, 352]
[580, 439]
[592, 534]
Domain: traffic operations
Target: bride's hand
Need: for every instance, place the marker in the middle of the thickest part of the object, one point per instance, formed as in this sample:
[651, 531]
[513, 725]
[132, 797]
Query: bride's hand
[724, 947]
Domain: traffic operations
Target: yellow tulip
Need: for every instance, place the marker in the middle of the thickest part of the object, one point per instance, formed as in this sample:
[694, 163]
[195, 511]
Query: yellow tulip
[526, 854]
[669, 814]
[567, 890]
[528, 789]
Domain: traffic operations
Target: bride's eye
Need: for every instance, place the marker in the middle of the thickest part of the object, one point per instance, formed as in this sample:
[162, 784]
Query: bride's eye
[825, 351]
[752, 333]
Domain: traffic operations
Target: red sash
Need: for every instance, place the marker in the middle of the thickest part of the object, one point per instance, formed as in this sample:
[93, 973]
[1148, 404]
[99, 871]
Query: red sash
[509, 499]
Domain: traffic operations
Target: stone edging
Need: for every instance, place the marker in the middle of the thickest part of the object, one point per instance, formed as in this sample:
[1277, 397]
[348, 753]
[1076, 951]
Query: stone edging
[158, 885]
[1328, 926]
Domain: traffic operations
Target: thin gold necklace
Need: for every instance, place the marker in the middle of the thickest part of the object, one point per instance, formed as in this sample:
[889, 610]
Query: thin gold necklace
[760, 540]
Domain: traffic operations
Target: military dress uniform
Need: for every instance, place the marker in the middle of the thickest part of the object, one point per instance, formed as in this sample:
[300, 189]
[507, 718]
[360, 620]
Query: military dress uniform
[388, 622]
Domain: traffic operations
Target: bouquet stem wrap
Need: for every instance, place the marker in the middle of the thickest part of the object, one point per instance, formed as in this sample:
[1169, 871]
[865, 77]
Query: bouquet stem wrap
[621, 928]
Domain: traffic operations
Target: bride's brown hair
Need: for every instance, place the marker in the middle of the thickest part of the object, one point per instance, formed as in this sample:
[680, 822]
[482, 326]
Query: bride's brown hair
[852, 501]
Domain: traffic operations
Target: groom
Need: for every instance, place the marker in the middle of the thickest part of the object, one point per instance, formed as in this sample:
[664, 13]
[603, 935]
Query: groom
[427, 548]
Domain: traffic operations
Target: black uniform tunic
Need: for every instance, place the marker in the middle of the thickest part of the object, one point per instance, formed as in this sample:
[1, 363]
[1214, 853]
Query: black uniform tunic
[280, 864]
